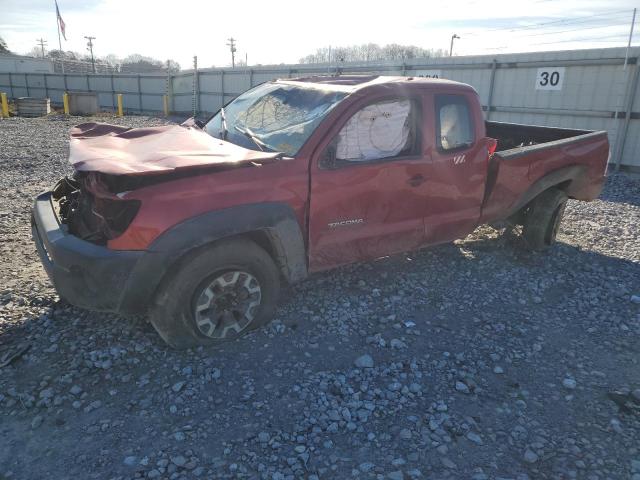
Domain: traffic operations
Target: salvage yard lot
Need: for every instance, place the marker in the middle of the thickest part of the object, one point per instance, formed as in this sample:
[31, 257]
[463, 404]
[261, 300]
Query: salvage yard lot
[474, 359]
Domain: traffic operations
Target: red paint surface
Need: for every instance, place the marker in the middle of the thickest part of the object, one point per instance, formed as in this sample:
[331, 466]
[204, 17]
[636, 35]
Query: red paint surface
[396, 215]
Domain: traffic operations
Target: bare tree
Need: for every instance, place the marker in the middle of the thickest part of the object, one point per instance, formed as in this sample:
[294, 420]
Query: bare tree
[173, 66]
[34, 52]
[370, 52]
[3, 46]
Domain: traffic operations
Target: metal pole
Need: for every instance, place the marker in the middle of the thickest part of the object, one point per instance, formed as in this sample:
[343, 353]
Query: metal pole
[194, 98]
[194, 90]
[167, 90]
[222, 102]
[494, 65]
[26, 83]
[453, 37]
[627, 116]
[60, 44]
[4, 106]
[618, 146]
[626, 55]
[113, 93]
[172, 98]
[139, 93]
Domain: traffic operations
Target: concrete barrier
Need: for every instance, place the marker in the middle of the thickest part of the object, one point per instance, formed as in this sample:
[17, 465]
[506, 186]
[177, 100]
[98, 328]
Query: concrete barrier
[83, 103]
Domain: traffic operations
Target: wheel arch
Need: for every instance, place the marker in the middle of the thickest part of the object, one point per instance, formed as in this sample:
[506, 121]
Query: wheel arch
[567, 179]
[272, 226]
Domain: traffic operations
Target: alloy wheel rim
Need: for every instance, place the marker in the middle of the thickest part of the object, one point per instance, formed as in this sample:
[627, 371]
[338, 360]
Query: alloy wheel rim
[227, 305]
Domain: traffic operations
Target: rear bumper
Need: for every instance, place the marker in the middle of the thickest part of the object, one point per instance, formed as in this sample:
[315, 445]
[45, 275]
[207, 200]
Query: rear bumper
[86, 275]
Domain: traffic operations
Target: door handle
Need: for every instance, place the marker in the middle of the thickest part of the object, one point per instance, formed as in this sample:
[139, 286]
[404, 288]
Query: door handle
[416, 180]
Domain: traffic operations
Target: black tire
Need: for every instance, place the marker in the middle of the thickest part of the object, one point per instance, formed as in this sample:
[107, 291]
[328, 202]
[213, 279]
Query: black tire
[542, 219]
[174, 310]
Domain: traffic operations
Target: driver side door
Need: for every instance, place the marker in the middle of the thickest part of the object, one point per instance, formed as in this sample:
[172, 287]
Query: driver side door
[370, 204]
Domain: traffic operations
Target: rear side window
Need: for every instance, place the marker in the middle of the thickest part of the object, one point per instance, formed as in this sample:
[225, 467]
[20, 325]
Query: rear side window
[454, 127]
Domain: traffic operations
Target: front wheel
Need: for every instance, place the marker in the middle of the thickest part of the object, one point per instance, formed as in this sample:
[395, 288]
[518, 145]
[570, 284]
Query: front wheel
[217, 295]
[542, 219]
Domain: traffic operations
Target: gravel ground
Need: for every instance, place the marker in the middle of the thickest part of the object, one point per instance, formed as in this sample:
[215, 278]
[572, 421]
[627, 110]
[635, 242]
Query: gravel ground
[472, 360]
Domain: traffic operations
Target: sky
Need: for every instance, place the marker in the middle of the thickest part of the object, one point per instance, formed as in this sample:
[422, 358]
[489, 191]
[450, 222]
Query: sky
[283, 31]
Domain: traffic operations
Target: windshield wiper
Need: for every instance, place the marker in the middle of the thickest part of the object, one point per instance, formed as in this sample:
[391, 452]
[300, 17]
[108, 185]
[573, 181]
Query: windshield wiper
[223, 122]
[252, 136]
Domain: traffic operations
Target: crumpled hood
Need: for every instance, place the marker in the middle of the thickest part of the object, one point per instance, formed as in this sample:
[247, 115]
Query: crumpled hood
[105, 148]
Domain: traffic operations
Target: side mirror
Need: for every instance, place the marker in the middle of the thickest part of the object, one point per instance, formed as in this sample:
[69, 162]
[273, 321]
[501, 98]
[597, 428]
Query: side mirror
[328, 159]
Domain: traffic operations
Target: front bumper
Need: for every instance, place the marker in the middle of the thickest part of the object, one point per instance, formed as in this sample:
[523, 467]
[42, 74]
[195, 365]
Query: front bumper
[84, 274]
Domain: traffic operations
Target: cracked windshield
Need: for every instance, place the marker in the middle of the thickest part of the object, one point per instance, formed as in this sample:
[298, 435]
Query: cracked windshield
[274, 117]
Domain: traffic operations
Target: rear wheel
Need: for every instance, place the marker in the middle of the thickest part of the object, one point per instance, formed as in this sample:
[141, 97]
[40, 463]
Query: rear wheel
[217, 295]
[542, 219]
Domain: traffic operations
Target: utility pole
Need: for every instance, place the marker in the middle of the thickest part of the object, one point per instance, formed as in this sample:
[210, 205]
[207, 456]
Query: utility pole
[232, 47]
[42, 42]
[453, 37]
[90, 48]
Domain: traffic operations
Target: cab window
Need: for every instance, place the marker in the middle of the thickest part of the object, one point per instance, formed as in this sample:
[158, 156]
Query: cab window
[382, 130]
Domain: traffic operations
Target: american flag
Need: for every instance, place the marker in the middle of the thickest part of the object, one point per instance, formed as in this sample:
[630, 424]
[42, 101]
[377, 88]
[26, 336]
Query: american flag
[60, 21]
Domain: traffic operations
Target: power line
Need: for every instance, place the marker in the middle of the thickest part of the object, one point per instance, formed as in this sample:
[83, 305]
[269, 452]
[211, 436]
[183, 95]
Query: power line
[560, 32]
[587, 39]
[574, 30]
[599, 39]
[574, 20]
[564, 21]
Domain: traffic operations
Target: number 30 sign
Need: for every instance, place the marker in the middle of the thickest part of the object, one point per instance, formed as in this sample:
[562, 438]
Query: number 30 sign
[550, 78]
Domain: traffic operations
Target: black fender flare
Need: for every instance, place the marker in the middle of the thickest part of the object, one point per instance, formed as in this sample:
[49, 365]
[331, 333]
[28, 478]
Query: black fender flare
[276, 221]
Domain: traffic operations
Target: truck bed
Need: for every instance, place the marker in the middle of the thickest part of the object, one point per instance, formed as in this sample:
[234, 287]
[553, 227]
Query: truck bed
[529, 159]
[516, 135]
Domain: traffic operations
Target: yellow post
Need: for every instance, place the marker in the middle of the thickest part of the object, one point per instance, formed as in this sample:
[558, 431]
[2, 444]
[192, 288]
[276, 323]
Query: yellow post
[65, 103]
[119, 97]
[165, 104]
[5, 105]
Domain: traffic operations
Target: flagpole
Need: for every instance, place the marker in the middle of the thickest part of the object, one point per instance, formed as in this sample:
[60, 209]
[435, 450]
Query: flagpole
[59, 41]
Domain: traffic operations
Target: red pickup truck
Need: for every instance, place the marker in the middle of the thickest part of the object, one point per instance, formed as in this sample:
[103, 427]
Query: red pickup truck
[198, 224]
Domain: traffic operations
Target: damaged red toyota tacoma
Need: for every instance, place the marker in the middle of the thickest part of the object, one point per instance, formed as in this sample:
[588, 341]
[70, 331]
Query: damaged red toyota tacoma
[198, 224]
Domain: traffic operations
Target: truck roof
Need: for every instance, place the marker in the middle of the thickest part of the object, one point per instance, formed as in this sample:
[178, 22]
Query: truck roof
[352, 83]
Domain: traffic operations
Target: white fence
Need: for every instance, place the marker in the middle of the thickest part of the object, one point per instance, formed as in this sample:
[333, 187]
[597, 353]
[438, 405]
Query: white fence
[587, 89]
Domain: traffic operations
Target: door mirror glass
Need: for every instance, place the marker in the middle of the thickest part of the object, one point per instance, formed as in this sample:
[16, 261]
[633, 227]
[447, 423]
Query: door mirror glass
[328, 159]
